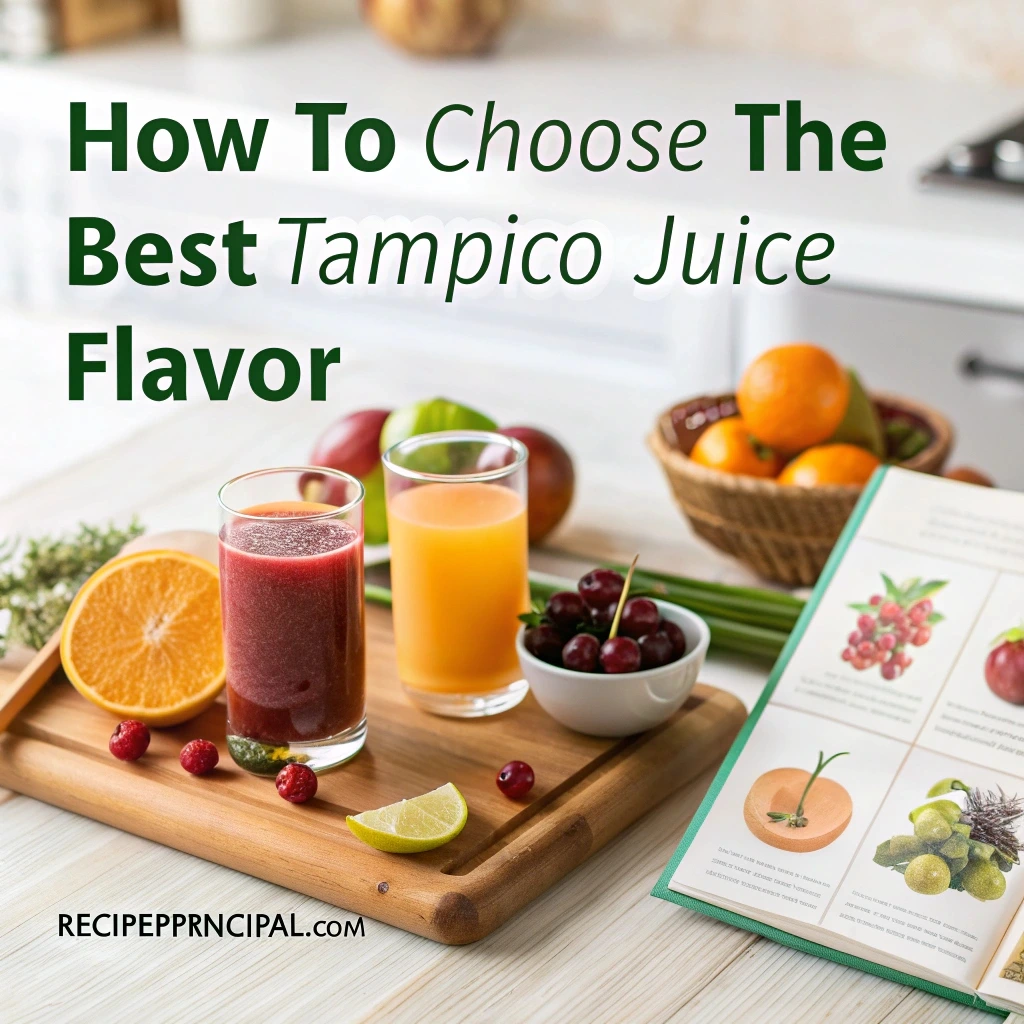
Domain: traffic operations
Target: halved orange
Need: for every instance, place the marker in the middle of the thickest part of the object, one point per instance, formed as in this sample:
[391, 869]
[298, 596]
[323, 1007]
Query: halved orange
[142, 638]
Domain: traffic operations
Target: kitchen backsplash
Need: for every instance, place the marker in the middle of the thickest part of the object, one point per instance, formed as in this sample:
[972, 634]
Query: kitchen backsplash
[972, 40]
[977, 40]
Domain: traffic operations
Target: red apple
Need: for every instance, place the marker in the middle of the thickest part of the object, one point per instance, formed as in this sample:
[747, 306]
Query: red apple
[352, 444]
[1004, 667]
[551, 479]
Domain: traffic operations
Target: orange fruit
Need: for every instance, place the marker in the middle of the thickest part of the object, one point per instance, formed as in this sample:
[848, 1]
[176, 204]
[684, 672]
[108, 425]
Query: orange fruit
[830, 464]
[142, 638]
[793, 396]
[727, 446]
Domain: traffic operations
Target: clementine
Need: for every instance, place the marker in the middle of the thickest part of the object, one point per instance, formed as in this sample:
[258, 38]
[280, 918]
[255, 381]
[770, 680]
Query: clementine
[793, 396]
[727, 446]
[830, 464]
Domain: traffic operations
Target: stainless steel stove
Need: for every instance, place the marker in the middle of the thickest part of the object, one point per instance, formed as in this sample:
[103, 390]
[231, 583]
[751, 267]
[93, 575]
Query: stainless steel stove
[993, 163]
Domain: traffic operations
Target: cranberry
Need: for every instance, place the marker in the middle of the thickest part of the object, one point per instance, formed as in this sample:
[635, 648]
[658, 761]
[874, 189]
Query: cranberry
[565, 610]
[601, 587]
[581, 653]
[296, 783]
[675, 634]
[129, 741]
[515, 780]
[854, 638]
[890, 670]
[875, 600]
[655, 650]
[887, 641]
[640, 616]
[198, 757]
[866, 649]
[924, 608]
[903, 634]
[544, 642]
[866, 624]
[620, 654]
[889, 612]
[848, 654]
[921, 636]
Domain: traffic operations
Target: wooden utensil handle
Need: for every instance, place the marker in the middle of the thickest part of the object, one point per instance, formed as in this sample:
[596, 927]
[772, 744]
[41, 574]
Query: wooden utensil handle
[30, 682]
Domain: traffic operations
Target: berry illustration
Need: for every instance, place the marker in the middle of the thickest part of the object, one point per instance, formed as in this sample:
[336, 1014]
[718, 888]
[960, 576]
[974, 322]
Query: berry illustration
[887, 624]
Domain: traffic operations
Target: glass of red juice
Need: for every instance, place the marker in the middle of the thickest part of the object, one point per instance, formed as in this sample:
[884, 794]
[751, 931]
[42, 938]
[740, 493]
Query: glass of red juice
[291, 593]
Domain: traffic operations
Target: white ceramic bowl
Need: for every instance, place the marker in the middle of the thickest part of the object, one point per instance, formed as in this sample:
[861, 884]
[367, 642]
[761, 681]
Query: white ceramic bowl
[624, 704]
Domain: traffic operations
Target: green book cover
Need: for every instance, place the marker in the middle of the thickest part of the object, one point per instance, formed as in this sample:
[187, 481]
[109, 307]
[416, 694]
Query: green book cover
[917, 742]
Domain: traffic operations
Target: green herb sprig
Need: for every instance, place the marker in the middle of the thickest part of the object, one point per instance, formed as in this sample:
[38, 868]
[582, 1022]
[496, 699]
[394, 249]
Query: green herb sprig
[797, 819]
[37, 588]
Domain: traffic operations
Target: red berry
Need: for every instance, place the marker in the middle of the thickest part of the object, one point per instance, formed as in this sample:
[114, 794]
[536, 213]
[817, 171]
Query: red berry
[296, 783]
[620, 654]
[889, 611]
[565, 610]
[924, 607]
[602, 618]
[887, 641]
[921, 636]
[860, 663]
[544, 642]
[866, 649]
[601, 587]
[866, 624]
[854, 638]
[903, 634]
[676, 635]
[875, 599]
[129, 741]
[640, 616]
[891, 671]
[581, 652]
[655, 650]
[198, 757]
[515, 780]
[848, 654]
[916, 616]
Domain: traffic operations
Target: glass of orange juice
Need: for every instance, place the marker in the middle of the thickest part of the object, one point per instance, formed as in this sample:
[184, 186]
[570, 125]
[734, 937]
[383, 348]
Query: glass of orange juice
[456, 504]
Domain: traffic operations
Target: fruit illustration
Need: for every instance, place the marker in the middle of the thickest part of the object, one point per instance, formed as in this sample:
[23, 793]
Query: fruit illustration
[1004, 666]
[830, 464]
[551, 480]
[967, 849]
[904, 615]
[352, 445]
[793, 396]
[728, 446]
[796, 810]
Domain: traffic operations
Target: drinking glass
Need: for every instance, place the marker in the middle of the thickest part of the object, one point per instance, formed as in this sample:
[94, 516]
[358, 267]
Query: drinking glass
[291, 591]
[456, 505]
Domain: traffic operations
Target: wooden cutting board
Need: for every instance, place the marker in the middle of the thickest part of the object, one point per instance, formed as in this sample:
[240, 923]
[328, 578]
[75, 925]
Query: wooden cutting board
[587, 791]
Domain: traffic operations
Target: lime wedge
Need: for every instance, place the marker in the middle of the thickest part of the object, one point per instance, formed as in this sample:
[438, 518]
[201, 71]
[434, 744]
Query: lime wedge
[412, 826]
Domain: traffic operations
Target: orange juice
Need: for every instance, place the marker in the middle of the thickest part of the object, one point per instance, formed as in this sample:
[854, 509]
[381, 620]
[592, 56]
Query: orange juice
[459, 582]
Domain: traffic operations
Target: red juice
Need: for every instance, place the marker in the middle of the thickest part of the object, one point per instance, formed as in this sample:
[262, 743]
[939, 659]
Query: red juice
[294, 638]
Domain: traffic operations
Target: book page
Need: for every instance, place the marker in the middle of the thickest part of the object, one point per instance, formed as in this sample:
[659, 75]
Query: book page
[895, 673]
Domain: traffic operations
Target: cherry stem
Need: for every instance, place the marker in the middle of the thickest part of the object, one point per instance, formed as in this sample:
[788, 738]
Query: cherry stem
[622, 597]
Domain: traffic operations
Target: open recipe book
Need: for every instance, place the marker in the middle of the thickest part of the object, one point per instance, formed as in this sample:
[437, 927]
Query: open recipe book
[872, 809]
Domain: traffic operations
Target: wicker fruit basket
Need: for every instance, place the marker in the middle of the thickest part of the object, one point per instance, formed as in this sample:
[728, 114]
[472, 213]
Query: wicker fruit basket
[782, 533]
